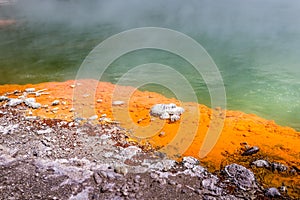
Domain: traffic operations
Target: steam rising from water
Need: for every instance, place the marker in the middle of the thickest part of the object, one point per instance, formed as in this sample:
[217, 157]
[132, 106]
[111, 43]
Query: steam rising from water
[255, 44]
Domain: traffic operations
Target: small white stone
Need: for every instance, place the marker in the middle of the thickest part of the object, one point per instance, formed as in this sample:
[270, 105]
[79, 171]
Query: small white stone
[165, 115]
[42, 132]
[35, 105]
[29, 90]
[94, 117]
[3, 98]
[118, 103]
[174, 118]
[55, 109]
[14, 102]
[99, 101]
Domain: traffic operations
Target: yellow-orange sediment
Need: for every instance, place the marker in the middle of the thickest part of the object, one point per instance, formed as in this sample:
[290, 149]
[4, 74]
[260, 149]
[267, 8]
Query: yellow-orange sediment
[277, 143]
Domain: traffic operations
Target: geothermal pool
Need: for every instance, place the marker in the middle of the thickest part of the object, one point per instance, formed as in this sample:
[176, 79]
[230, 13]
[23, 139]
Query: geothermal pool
[255, 45]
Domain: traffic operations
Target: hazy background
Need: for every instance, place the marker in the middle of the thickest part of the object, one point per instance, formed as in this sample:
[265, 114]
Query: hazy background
[255, 44]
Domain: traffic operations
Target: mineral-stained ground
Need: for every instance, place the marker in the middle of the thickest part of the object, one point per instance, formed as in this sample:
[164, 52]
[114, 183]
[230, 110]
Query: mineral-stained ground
[47, 154]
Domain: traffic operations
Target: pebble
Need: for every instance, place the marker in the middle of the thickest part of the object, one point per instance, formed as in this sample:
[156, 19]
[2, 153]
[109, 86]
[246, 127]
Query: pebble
[94, 117]
[251, 151]
[118, 103]
[14, 102]
[283, 189]
[108, 187]
[30, 90]
[28, 101]
[3, 98]
[29, 118]
[189, 162]
[55, 103]
[154, 175]
[42, 132]
[35, 105]
[99, 100]
[55, 109]
[121, 170]
[272, 192]
[162, 134]
[174, 118]
[279, 167]
[261, 163]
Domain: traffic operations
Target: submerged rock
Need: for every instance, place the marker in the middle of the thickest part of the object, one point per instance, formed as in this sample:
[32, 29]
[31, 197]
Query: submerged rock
[167, 111]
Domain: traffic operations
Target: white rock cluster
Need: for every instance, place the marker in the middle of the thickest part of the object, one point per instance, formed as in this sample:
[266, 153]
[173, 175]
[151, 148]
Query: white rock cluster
[167, 111]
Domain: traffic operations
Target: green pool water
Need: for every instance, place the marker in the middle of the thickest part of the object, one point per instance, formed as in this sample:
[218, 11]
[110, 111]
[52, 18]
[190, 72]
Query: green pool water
[255, 45]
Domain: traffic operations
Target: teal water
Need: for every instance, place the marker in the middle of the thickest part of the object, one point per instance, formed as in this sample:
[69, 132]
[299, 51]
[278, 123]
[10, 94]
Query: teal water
[255, 45]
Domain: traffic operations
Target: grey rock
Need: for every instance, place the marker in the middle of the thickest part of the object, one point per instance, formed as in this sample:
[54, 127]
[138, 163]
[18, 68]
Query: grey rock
[199, 170]
[251, 151]
[55, 102]
[279, 167]
[97, 178]
[154, 175]
[8, 129]
[241, 176]
[261, 163]
[108, 187]
[189, 162]
[272, 192]
[168, 164]
[209, 183]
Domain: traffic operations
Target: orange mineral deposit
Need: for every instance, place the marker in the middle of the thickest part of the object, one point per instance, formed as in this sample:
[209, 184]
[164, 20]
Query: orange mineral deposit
[177, 139]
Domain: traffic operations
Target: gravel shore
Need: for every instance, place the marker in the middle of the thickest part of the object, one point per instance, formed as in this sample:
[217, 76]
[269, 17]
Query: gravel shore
[56, 159]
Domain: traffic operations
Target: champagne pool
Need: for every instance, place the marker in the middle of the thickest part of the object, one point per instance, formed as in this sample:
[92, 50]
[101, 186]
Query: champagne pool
[255, 45]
